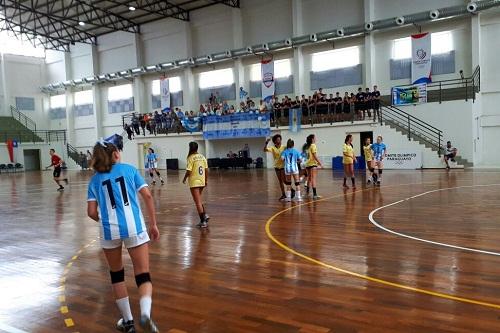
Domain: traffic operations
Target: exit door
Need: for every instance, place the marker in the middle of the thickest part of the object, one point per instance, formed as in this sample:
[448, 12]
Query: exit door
[31, 159]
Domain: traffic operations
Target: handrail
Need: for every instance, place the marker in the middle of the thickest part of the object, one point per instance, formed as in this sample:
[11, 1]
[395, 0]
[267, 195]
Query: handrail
[22, 118]
[74, 154]
[34, 136]
[413, 125]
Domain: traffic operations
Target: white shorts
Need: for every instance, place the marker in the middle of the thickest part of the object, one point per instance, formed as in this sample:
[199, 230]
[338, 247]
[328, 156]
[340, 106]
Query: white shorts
[291, 173]
[153, 165]
[130, 242]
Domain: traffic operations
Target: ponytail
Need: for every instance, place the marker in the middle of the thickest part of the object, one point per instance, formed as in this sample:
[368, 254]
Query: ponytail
[290, 144]
[193, 148]
[309, 141]
[102, 157]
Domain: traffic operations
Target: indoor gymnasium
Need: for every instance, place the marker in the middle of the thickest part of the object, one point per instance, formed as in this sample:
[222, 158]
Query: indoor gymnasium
[249, 166]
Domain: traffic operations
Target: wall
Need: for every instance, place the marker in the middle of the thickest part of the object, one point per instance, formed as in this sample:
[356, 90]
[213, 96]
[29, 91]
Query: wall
[44, 153]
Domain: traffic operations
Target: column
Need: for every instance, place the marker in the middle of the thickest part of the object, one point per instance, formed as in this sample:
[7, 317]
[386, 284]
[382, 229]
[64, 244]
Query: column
[97, 96]
[369, 73]
[300, 79]
[70, 116]
[238, 42]
[477, 111]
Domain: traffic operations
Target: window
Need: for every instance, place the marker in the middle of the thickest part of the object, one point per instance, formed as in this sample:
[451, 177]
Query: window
[57, 101]
[174, 83]
[341, 58]
[218, 78]
[84, 97]
[401, 48]
[282, 68]
[441, 42]
[11, 44]
[122, 92]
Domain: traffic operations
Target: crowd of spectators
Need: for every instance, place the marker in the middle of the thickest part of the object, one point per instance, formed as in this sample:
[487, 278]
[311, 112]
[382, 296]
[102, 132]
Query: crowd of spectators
[316, 108]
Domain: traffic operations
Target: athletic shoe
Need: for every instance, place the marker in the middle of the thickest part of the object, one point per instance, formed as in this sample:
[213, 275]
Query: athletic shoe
[283, 197]
[60, 189]
[378, 182]
[316, 197]
[288, 199]
[369, 181]
[127, 327]
[148, 325]
[345, 186]
[154, 182]
[162, 182]
[203, 224]
[298, 199]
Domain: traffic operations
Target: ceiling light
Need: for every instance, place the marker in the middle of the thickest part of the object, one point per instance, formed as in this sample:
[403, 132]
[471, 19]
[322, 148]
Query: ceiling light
[131, 8]
[81, 23]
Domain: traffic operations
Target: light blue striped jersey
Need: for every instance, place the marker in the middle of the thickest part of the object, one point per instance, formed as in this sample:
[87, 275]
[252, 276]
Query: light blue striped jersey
[291, 156]
[151, 160]
[116, 195]
[379, 150]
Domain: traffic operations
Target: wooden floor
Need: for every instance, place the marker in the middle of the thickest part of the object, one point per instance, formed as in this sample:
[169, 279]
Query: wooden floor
[318, 267]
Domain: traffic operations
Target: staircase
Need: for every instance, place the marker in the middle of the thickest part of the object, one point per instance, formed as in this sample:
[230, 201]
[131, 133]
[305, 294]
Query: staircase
[416, 130]
[74, 154]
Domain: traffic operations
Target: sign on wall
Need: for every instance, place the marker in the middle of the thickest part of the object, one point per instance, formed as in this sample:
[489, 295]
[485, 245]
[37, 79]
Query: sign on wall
[403, 159]
[415, 94]
[268, 84]
[421, 58]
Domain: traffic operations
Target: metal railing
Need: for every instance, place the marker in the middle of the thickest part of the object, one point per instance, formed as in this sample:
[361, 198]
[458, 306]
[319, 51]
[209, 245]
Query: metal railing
[413, 126]
[34, 136]
[469, 86]
[23, 119]
[75, 155]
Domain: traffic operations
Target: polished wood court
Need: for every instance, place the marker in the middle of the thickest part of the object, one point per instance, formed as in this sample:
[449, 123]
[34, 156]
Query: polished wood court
[335, 271]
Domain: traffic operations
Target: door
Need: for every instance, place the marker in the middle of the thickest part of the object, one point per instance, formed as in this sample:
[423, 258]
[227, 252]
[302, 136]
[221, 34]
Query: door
[31, 159]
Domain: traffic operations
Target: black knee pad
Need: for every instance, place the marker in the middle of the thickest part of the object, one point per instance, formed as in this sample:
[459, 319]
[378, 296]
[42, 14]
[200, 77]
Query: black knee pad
[142, 278]
[151, 174]
[371, 169]
[297, 183]
[380, 171]
[288, 183]
[118, 276]
[158, 173]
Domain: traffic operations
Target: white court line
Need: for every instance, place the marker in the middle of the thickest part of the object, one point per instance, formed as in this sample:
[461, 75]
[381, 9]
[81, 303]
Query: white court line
[10, 329]
[372, 220]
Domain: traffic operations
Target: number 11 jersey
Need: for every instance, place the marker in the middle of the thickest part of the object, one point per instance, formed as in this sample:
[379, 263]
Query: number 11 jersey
[116, 195]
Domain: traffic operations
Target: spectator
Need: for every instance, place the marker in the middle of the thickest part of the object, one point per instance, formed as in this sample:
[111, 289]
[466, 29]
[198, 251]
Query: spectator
[135, 123]
[89, 158]
[152, 124]
[142, 121]
[368, 102]
[376, 103]
[450, 153]
[262, 106]
[129, 131]
[158, 122]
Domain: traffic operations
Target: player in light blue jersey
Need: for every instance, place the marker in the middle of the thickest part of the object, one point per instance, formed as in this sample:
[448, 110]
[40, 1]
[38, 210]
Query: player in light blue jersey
[152, 165]
[379, 152]
[291, 158]
[113, 201]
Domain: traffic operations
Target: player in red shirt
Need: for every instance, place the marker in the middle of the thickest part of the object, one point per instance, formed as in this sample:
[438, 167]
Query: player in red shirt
[57, 163]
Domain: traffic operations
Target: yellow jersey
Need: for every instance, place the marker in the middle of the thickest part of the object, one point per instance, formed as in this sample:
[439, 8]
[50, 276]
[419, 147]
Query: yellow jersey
[196, 165]
[368, 153]
[311, 161]
[348, 153]
[276, 151]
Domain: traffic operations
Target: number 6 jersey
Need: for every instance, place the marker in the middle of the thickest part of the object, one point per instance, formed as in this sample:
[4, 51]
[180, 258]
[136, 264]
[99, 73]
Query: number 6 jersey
[116, 195]
[196, 164]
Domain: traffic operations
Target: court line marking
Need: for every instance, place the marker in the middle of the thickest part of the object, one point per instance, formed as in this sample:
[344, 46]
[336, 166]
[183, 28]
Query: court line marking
[10, 329]
[376, 224]
[362, 276]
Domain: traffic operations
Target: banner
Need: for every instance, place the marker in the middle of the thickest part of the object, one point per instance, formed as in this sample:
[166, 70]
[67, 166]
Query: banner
[295, 120]
[415, 94]
[267, 68]
[164, 95]
[10, 149]
[243, 94]
[403, 159]
[240, 125]
[191, 124]
[421, 58]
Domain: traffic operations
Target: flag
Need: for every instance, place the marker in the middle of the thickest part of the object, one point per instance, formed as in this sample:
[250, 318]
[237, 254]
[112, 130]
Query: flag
[295, 120]
[421, 58]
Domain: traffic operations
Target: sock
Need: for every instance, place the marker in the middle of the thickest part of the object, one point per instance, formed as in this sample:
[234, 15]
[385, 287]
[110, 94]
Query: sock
[314, 191]
[288, 194]
[124, 306]
[293, 193]
[202, 216]
[297, 194]
[345, 181]
[145, 304]
[352, 180]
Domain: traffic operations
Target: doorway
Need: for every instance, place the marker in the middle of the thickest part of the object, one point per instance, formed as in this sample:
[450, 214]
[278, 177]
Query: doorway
[31, 159]
[363, 136]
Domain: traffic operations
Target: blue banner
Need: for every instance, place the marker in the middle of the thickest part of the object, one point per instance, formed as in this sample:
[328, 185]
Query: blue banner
[295, 120]
[191, 124]
[239, 125]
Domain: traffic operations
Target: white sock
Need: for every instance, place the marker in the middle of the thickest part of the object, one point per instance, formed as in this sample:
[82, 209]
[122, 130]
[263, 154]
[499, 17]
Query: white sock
[288, 194]
[297, 194]
[145, 304]
[124, 306]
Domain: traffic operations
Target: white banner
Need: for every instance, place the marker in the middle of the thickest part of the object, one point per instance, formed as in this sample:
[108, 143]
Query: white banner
[164, 95]
[403, 159]
[421, 58]
[267, 68]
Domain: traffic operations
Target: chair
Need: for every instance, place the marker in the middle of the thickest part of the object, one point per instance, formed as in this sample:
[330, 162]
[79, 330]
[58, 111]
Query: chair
[10, 167]
[18, 166]
[2, 167]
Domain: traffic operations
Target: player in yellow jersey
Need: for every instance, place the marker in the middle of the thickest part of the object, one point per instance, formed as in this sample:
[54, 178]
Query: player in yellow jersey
[367, 149]
[197, 173]
[348, 160]
[279, 166]
[312, 164]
